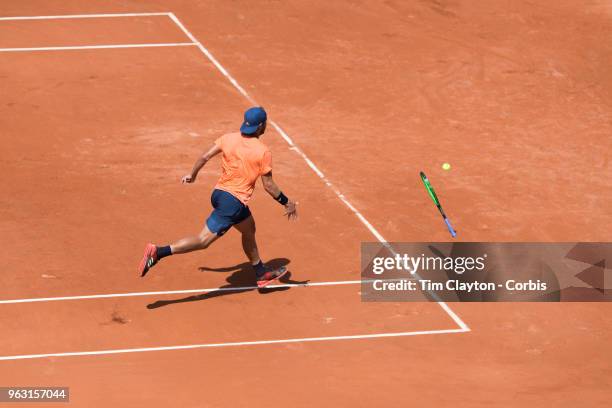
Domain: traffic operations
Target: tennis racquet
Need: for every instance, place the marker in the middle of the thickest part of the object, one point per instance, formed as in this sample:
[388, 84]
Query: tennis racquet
[434, 197]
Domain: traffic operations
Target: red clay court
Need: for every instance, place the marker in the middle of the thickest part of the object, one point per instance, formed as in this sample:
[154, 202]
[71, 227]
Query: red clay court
[106, 104]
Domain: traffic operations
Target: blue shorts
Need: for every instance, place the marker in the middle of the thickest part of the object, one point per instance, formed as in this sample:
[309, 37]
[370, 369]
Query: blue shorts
[228, 211]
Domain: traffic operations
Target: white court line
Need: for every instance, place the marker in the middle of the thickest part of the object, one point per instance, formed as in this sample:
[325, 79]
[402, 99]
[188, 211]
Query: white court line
[186, 291]
[233, 344]
[310, 163]
[97, 47]
[74, 16]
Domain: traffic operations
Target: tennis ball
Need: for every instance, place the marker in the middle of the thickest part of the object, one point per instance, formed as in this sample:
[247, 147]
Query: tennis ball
[446, 166]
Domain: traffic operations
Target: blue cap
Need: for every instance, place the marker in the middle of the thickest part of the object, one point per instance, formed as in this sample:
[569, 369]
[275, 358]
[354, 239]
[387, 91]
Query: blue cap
[252, 119]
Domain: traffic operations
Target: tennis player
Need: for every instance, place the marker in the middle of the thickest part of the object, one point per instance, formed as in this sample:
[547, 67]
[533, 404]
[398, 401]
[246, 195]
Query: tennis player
[244, 159]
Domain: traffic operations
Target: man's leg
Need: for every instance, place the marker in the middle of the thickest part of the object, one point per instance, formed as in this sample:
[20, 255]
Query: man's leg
[194, 243]
[154, 253]
[264, 275]
[249, 245]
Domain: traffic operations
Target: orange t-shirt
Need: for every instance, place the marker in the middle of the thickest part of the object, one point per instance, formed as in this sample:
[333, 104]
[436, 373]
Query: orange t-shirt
[244, 160]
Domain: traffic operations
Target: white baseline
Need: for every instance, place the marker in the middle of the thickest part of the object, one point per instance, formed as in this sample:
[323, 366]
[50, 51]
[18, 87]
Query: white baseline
[233, 344]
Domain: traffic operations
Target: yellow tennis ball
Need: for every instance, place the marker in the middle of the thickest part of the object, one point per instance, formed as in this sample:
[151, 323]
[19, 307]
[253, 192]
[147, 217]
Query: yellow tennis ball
[446, 166]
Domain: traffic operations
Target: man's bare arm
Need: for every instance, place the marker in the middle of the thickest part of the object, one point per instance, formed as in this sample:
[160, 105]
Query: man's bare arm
[273, 189]
[202, 160]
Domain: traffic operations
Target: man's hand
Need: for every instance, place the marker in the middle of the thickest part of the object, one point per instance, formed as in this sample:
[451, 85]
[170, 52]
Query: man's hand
[188, 179]
[291, 210]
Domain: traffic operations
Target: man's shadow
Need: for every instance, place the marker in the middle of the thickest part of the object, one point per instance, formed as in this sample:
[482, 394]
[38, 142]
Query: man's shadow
[241, 280]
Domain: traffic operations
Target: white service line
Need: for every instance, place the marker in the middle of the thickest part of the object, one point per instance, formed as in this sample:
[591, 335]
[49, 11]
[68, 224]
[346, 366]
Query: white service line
[75, 16]
[233, 344]
[310, 163]
[186, 291]
[98, 47]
